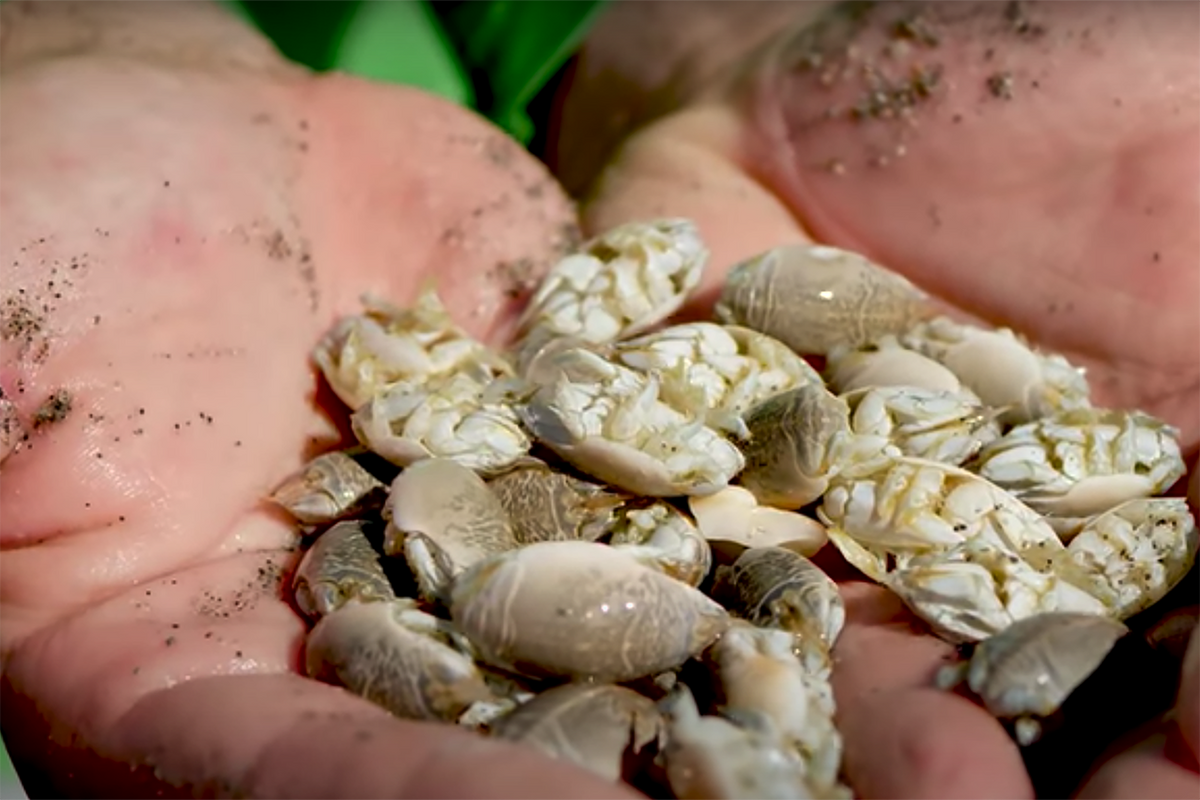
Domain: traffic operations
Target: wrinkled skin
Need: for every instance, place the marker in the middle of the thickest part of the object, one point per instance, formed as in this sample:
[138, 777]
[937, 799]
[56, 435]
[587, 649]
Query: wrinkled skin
[222, 209]
[1067, 211]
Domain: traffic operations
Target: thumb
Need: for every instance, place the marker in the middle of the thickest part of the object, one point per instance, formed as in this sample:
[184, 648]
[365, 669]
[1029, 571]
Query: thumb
[687, 165]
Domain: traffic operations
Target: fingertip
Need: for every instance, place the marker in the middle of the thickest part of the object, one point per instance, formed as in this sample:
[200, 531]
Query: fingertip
[688, 166]
[405, 188]
[1140, 775]
[922, 743]
[479, 767]
[1187, 705]
[287, 736]
[343, 756]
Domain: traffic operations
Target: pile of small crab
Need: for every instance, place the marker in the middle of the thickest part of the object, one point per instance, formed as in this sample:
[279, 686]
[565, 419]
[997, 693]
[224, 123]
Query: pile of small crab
[597, 542]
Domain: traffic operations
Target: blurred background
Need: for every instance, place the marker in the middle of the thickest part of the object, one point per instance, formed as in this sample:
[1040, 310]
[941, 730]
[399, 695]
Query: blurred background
[10, 785]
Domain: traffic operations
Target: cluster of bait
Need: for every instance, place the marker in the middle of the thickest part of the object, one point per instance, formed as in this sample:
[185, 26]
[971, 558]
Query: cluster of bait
[597, 542]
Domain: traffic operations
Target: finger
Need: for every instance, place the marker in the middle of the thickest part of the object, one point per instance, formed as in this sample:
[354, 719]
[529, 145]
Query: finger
[282, 736]
[191, 33]
[401, 190]
[877, 621]
[1187, 706]
[1141, 775]
[285, 736]
[903, 738]
[926, 743]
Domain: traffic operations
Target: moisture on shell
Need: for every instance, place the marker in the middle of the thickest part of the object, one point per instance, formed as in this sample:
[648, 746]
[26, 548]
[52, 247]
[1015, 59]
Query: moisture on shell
[814, 297]
[444, 519]
[342, 565]
[581, 610]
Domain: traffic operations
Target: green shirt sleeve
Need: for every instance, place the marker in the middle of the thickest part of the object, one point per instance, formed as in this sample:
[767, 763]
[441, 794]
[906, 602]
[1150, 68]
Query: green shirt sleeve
[490, 55]
[514, 47]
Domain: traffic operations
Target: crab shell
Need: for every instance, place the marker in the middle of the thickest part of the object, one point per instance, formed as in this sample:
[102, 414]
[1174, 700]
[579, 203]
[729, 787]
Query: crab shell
[342, 565]
[814, 297]
[597, 727]
[1034, 664]
[385, 653]
[444, 518]
[583, 611]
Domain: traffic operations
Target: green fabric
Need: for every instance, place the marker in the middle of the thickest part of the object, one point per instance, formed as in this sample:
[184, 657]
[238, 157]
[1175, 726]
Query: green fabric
[516, 47]
[490, 55]
[400, 41]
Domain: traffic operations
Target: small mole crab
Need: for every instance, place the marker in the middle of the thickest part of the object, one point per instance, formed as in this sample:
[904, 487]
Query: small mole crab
[603, 728]
[545, 504]
[444, 518]
[778, 588]
[1026, 671]
[814, 297]
[333, 486]
[581, 610]
[799, 440]
[342, 565]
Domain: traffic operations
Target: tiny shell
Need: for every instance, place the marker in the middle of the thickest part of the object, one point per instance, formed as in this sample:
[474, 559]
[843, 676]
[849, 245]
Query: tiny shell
[546, 505]
[342, 565]
[395, 656]
[792, 435]
[444, 518]
[711, 758]
[1029, 669]
[759, 672]
[330, 487]
[814, 297]
[778, 587]
[581, 610]
[597, 727]
[734, 515]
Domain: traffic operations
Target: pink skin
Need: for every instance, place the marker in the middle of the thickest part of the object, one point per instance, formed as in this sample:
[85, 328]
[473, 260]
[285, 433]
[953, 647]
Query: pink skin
[141, 620]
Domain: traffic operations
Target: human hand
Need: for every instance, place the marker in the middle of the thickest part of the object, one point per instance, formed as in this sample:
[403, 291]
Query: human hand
[184, 214]
[1044, 180]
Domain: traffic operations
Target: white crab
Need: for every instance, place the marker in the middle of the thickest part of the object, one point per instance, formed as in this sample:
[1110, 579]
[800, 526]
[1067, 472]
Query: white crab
[950, 427]
[1001, 368]
[715, 371]
[609, 421]
[618, 284]
[385, 345]
[1084, 461]
[453, 416]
